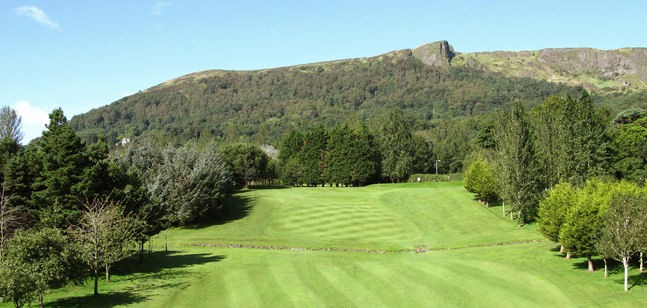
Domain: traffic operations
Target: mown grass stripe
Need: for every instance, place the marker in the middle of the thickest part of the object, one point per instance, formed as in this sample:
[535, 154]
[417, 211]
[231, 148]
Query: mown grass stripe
[348, 285]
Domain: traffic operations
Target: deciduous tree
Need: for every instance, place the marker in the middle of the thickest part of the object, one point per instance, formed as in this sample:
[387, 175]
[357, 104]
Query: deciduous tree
[37, 260]
[105, 236]
[247, 162]
[10, 125]
[516, 156]
[625, 227]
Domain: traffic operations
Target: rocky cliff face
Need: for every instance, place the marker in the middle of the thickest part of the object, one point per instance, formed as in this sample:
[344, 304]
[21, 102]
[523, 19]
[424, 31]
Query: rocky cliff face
[608, 70]
[438, 53]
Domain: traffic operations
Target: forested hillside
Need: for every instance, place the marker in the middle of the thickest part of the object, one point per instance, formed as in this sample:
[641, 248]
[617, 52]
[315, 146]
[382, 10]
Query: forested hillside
[258, 105]
[430, 84]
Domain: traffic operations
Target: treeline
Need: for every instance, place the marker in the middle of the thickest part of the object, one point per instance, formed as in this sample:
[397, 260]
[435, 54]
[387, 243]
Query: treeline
[560, 163]
[351, 153]
[259, 106]
[70, 210]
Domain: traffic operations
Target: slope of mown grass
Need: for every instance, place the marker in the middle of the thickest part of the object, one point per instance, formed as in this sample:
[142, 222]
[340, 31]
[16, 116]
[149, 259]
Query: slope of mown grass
[386, 216]
[523, 275]
[433, 215]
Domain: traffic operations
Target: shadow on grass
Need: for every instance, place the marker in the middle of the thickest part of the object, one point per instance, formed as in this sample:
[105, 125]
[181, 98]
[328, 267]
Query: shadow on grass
[103, 300]
[268, 187]
[235, 208]
[556, 249]
[598, 264]
[159, 261]
[635, 279]
[159, 271]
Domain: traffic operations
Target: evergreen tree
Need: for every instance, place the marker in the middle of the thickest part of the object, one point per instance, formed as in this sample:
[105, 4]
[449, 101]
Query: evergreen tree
[339, 156]
[8, 149]
[364, 156]
[60, 186]
[288, 162]
[352, 156]
[312, 156]
[583, 222]
[189, 184]
[553, 209]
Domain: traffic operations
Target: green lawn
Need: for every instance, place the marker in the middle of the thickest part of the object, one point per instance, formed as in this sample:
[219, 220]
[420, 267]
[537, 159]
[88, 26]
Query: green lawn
[391, 217]
[387, 216]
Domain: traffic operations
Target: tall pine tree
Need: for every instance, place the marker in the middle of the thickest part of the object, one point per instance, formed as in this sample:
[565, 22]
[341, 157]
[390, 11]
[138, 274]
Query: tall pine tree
[58, 189]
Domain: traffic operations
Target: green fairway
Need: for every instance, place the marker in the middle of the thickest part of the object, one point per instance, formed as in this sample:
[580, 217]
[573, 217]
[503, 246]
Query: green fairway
[387, 217]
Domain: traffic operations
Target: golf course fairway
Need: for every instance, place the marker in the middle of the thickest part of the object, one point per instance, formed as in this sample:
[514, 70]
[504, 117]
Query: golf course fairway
[397, 245]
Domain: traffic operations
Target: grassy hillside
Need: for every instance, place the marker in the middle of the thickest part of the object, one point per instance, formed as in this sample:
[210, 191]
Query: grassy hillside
[388, 216]
[604, 70]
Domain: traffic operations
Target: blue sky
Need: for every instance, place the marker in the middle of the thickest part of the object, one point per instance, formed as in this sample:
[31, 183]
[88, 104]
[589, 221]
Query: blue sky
[81, 55]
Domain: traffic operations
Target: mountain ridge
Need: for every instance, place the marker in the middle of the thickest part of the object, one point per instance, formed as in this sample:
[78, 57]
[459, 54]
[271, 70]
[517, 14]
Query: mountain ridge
[441, 53]
[430, 83]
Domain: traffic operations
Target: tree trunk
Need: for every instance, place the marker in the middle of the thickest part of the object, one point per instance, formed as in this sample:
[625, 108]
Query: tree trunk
[519, 223]
[107, 272]
[503, 208]
[605, 268]
[568, 255]
[96, 283]
[40, 299]
[625, 263]
[511, 219]
[561, 248]
[641, 261]
[588, 258]
[165, 242]
[141, 252]
[487, 204]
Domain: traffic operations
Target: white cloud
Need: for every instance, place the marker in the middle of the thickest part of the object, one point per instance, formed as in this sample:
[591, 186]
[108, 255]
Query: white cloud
[37, 15]
[159, 5]
[33, 120]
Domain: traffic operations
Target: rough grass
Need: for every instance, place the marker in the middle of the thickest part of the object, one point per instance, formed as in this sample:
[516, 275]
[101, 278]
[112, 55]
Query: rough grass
[388, 216]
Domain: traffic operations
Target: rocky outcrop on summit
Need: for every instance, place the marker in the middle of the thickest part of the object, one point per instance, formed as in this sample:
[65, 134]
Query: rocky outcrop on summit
[437, 54]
